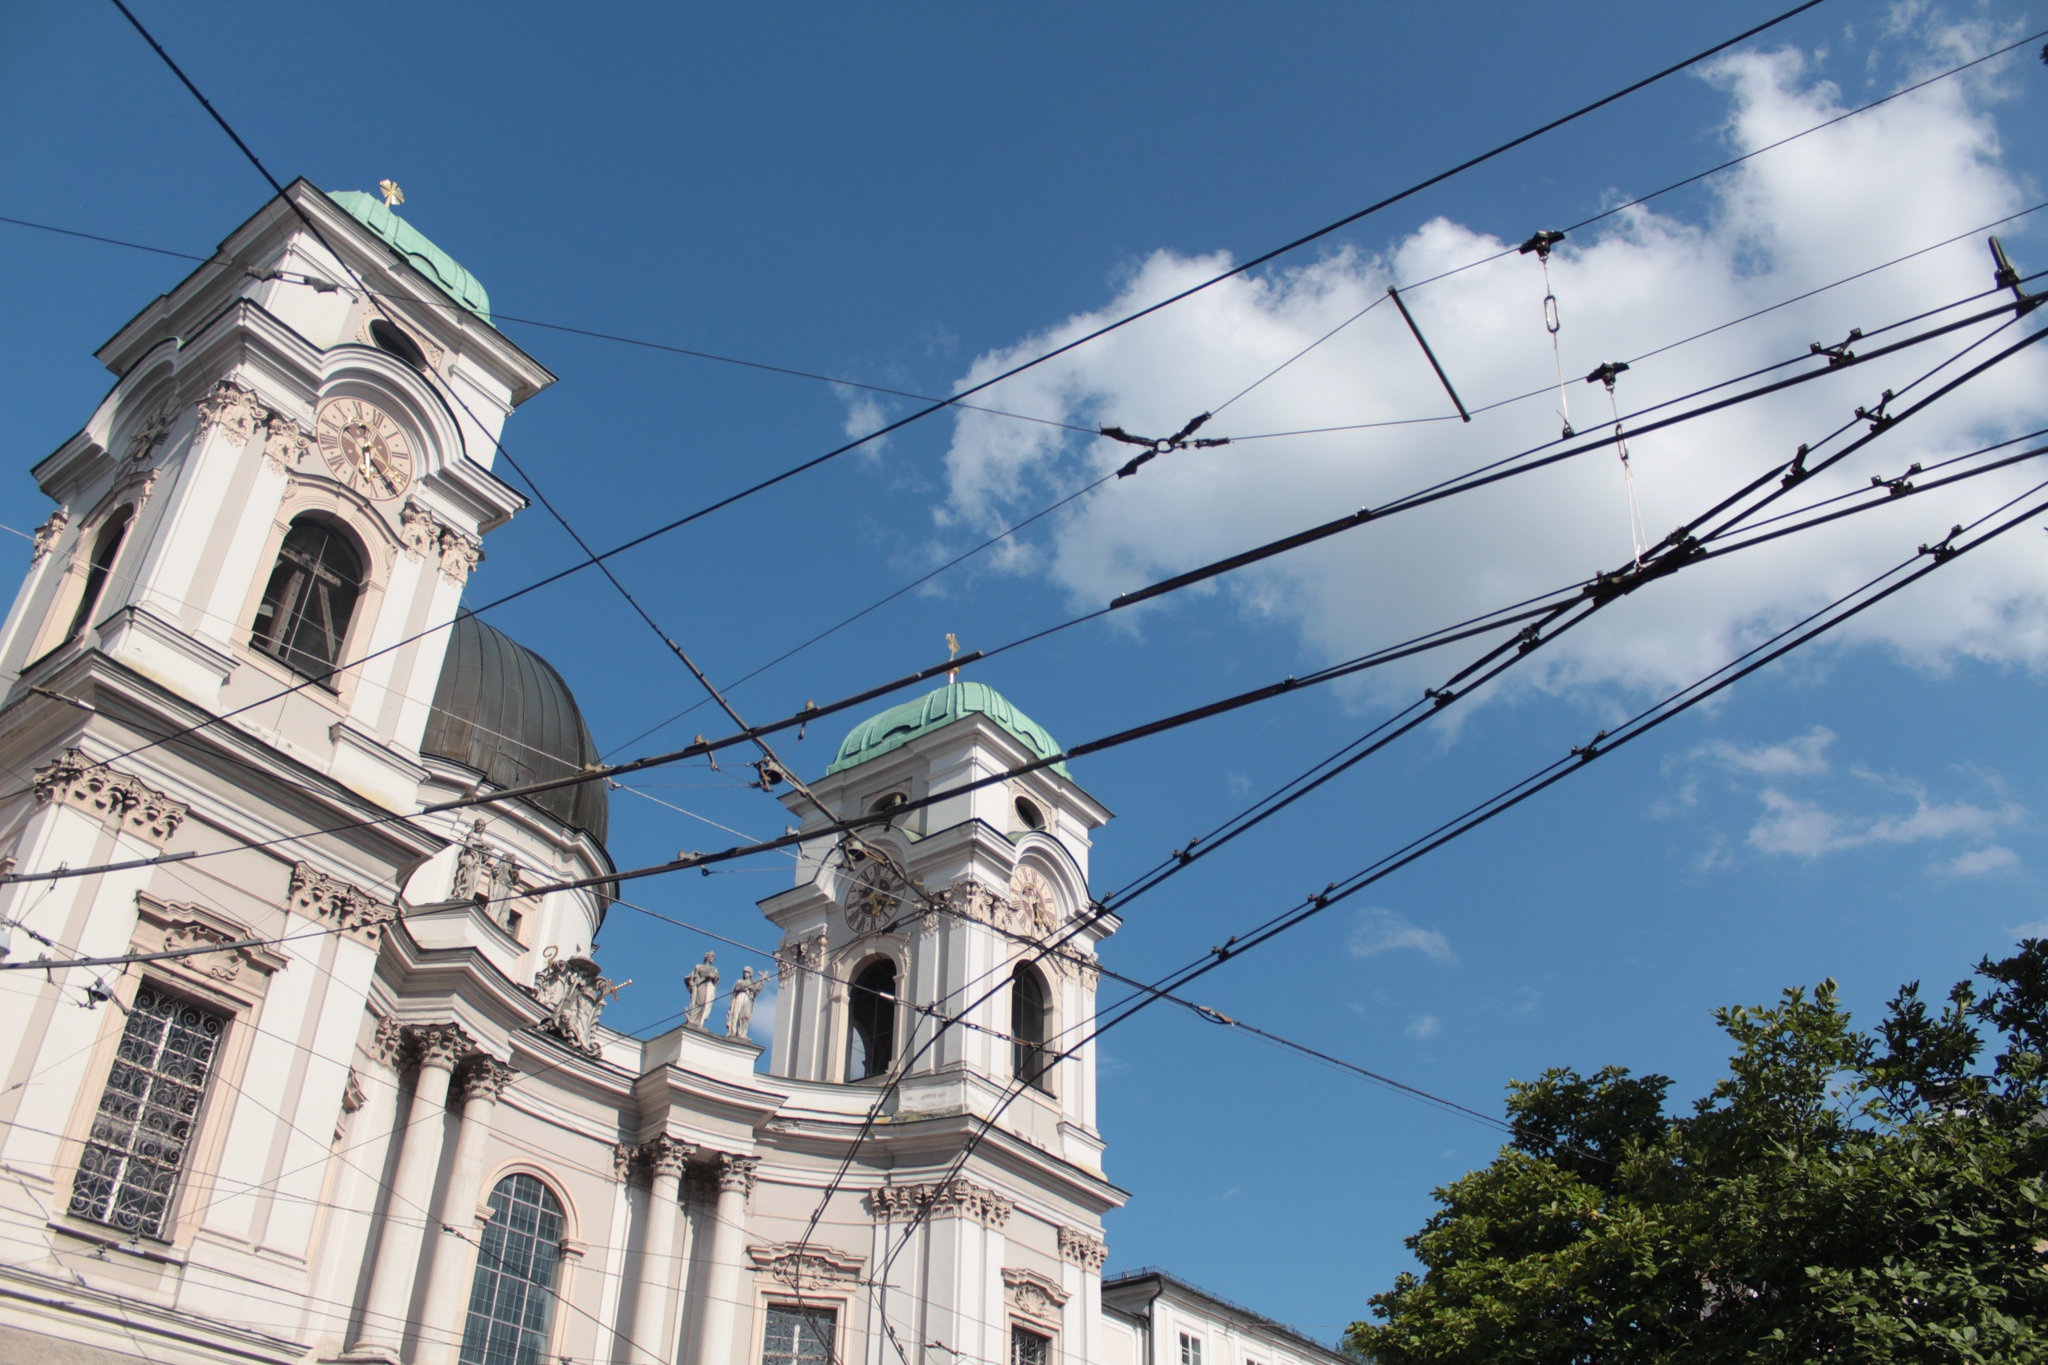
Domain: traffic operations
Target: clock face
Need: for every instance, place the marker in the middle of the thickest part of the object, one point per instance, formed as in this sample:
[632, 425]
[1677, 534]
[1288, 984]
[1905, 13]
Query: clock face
[364, 448]
[875, 899]
[1034, 899]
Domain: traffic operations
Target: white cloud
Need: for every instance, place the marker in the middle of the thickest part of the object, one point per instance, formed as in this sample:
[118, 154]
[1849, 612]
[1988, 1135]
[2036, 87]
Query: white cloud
[761, 1027]
[1908, 174]
[1980, 861]
[1424, 1027]
[1806, 829]
[1805, 756]
[1380, 930]
[864, 413]
[2038, 929]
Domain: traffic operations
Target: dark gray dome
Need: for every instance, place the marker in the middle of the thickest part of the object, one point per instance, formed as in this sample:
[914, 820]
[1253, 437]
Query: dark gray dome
[502, 711]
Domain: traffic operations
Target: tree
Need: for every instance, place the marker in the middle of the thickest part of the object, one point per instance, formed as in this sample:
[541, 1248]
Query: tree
[1840, 1196]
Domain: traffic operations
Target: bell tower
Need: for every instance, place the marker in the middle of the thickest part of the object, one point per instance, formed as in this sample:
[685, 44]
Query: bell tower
[871, 966]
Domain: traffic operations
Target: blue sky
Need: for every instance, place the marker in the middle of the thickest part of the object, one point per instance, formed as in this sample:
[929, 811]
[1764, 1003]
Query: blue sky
[911, 196]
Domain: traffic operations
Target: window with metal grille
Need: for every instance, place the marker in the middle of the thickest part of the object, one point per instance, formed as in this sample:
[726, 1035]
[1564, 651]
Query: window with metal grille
[798, 1336]
[512, 1297]
[1028, 1347]
[312, 593]
[143, 1131]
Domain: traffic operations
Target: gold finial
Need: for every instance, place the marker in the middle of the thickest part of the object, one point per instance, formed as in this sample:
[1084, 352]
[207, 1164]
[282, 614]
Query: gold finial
[392, 194]
[952, 650]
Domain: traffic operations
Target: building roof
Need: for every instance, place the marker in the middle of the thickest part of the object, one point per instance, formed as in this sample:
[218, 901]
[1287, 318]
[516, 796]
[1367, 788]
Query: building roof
[436, 264]
[1128, 1279]
[502, 711]
[897, 726]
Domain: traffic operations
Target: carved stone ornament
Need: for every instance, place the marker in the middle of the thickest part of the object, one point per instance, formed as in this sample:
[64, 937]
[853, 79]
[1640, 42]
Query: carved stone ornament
[1033, 1295]
[806, 1266]
[387, 1046]
[418, 531]
[353, 1096]
[459, 554]
[285, 443]
[234, 411]
[152, 433]
[441, 1045]
[955, 1198]
[736, 1174]
[47, 535]
[800, 954]
[1084, 1249]
[574, 995]
[623, 1154]
[348, 908]
[665, 1156]
[222, 966]
[483, 1078]
[128, 803]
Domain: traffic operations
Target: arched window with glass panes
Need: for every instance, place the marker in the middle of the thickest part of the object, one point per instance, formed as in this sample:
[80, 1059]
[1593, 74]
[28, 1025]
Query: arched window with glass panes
[512, 1298]
[311, 597]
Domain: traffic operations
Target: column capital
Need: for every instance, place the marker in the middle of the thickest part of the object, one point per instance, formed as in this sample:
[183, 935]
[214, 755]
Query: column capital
[482, 1078]
[735, 1174]
[665, 1156]
[441, 1045]
[387, 1046]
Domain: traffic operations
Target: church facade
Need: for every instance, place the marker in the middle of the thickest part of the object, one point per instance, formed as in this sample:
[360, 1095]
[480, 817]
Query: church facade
[343, 1091]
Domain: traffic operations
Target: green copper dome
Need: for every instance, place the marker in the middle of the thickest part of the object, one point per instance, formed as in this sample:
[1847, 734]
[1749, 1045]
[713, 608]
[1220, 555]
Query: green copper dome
[899, 725]
[436, 264]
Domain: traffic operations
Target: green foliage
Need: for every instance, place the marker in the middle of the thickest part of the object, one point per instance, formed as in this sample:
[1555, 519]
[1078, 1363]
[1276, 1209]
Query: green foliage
[1840, 1196]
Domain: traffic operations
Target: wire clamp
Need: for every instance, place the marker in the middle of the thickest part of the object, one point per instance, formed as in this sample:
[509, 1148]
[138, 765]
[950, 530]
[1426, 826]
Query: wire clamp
[1900, 486]
[1541, 243]
[770, 772]
[1440, 696]
[2007, 277]
[1796, 471]
[1586, 753]
[709, 757]
[1607, 374]
[1156, 446]
[1878, 418]
[1528, 639]
[1215, 1016]
[1225, 948]
[1838, 354]
[1944, 550]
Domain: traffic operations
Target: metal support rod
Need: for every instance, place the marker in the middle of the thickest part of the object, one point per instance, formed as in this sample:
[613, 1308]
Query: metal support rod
[1409, 318]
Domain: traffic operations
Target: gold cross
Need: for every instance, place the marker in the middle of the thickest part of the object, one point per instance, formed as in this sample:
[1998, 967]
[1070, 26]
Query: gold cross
[952, 650]
[392, 194]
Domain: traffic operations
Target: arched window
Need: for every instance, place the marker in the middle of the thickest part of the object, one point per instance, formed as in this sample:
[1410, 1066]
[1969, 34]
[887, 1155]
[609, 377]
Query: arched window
[1029, 1061]
[104, 548]
[513, 1296]
[871, 1021]
[311, 596]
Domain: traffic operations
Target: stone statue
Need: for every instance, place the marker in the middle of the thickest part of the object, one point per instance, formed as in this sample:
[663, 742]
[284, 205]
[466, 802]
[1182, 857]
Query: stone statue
[470, 860]
[574, 994]
[740, 1013]
[503, 885]
[703, 984]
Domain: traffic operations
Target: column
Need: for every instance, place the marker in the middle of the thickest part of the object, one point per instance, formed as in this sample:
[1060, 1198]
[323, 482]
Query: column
[452, 1237]
[724, 1284]
[386, 1307]
[651, 1338]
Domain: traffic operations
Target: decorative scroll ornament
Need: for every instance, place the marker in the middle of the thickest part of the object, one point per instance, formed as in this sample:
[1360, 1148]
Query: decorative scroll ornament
[47, 535]
[1034, 1295]
[348, 908]
[664, 1155]
[353, 1096]
[623, 1154]
[800, 954]
[285, 443]
[574, 994]
[387, 1045]
[221, 966]
[1084, 1249]
[956, 1198]
[459, 554]
[801, 1266]
[234, 411]
[128, 803]
[151, 434]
